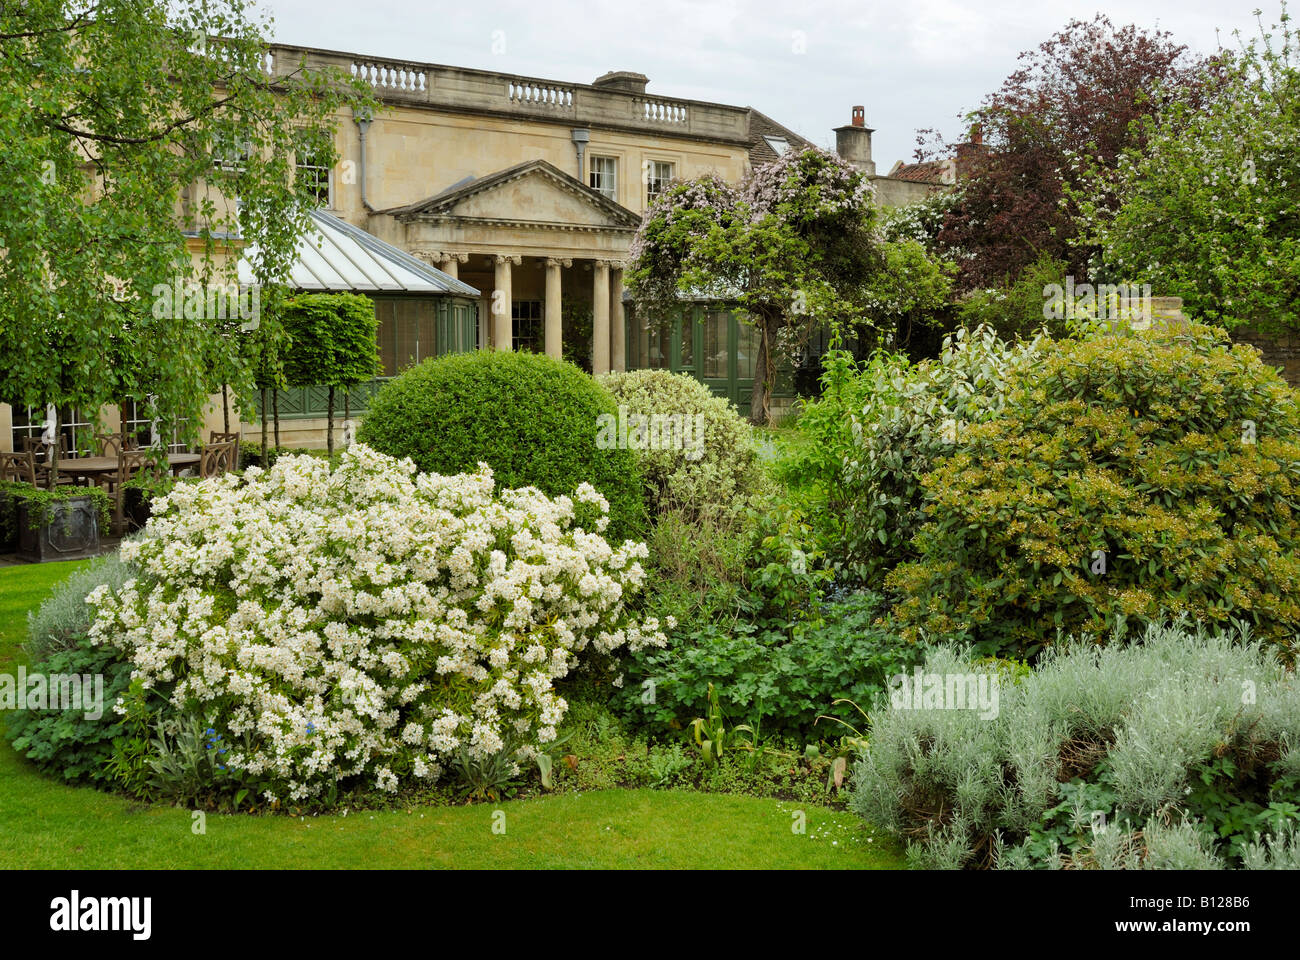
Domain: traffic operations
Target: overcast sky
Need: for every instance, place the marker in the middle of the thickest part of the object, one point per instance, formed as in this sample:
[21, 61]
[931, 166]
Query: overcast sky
[912, 63]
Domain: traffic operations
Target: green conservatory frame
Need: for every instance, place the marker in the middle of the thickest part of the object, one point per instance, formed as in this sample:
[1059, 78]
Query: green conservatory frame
[452, 328]
[712, 342]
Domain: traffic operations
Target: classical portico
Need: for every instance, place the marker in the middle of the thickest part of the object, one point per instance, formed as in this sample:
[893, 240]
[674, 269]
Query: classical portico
[537, 242]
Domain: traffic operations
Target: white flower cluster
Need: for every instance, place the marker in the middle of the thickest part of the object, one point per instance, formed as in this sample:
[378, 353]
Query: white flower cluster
[370, 621]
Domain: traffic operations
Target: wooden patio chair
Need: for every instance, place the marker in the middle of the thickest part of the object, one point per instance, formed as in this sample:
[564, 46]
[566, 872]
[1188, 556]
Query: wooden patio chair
[217, 458]
[30, 466]
[216, 436]
[18, 466]
[42, 448]
[129, 463]
[111, 444]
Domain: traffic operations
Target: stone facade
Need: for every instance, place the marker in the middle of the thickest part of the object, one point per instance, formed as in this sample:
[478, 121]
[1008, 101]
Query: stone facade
[893, 192]
[527, 189]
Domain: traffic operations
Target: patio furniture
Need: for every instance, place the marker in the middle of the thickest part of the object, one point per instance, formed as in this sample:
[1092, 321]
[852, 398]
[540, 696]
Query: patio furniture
[217, 458]
[41, 445]
[110, 444]
[94, 467]
[17, 467]
[129, 462]
[216, 436]
[43, 448]
[27, 466]
[180, 462]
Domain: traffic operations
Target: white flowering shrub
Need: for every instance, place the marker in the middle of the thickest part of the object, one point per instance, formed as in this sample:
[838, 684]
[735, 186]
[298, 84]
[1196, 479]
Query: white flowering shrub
[369, 622]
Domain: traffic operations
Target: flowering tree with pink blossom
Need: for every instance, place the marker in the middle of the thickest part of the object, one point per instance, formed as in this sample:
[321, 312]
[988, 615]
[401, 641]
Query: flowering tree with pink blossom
[793, 245]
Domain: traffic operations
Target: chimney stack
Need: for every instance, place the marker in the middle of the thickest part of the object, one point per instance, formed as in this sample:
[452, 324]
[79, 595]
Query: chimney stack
[967, 151]
[624, 81]
[853, 142]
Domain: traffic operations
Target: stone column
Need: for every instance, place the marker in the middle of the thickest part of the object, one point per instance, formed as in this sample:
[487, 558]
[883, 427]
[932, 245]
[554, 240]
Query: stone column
[617, 328]
[554, 327]
[484, 323]
[451, 263]
[502, 324]
[600, 318]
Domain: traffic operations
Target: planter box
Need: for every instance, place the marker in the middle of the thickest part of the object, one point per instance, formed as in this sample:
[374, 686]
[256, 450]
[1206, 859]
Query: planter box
[8, 522]
[71, 533]
[136, 508]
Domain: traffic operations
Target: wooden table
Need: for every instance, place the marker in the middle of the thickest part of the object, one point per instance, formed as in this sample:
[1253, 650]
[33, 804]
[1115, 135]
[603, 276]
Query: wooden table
[93, 467]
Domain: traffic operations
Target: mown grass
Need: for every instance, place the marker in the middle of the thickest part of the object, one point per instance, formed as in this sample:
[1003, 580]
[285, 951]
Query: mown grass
[46, 824]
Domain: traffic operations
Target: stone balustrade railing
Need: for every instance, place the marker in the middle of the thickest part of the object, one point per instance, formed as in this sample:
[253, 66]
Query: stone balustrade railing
[532, 94]
[462, 89]
[662, 111]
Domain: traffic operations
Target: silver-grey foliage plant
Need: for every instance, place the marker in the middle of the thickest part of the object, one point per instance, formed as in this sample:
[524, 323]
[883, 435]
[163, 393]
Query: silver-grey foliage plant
[966, 791]
[64, 618]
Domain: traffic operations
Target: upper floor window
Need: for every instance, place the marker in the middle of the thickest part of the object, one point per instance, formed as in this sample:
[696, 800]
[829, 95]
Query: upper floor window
[657, 175]
[314, 175]
[232, 155]
[603, 176]
[778, 144]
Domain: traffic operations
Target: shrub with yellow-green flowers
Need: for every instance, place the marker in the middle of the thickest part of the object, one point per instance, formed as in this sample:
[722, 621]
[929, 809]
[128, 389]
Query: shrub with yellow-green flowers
[1129, 477]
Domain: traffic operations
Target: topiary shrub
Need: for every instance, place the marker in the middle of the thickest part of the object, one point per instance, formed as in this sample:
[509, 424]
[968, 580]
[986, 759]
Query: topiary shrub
[1177, 752]
[533, 419]
[694, 450]
[1128, 476]
[361, 624]
[332, 343]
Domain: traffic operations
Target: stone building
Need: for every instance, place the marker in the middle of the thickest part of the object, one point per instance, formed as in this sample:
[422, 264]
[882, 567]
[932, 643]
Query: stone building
[522, 195]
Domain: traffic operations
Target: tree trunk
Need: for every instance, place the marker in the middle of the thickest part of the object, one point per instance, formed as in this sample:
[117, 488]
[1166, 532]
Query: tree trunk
[263, 419]
[347, 405]
[760, 401]
[225, 408]
[275, 403]
[329, 422]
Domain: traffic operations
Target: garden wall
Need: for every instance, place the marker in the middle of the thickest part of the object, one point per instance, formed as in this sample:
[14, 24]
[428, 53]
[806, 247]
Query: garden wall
[1282, 350]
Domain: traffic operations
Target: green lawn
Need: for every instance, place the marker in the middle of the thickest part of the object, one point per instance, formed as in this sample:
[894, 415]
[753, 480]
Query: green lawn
[45, 824]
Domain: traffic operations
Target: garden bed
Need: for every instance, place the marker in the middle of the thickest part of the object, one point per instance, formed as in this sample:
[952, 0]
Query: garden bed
[55, 826]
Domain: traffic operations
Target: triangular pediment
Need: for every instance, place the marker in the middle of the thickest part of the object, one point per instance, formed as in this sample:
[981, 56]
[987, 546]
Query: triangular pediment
[536, 192]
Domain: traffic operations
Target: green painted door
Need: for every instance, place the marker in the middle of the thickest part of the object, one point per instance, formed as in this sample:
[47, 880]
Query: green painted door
[457, 326]
[717, 349]
[717, 346]
[746, 360]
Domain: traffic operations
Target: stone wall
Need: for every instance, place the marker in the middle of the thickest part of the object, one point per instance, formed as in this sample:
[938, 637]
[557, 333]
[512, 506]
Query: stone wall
[891, 192]
[1282, 351]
